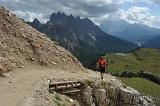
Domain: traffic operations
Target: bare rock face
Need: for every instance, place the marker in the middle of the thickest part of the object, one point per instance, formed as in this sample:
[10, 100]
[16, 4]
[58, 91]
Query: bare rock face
[100, 96]
[100, 93]
[20, 44]
[87, 97]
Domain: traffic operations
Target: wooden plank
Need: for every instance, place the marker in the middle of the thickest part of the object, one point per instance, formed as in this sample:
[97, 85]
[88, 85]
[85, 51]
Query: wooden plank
[73, 91]
[65, 88]
[63, 83]
[56, 86]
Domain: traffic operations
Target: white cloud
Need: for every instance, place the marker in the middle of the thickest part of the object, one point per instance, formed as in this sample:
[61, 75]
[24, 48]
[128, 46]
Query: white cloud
[96, 10]
[28, 9]
[100, 19]
[124, 1]
[138, 1]
[137, 15]
[156, 1]
[29, 16]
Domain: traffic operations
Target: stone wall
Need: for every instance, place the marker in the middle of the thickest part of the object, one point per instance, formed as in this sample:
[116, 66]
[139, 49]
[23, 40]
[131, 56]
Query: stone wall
[101, 93]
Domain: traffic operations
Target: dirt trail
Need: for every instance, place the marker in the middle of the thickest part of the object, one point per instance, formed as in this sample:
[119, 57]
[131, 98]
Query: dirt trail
[20, 44]
[15, 90]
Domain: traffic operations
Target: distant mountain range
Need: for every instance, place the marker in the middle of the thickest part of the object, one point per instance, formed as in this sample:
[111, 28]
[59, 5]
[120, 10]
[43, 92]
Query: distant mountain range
[153, 43]
[81, 37]
[131, 32]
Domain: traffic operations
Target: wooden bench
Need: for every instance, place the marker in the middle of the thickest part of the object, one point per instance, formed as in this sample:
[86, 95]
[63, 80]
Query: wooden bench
[67, 87]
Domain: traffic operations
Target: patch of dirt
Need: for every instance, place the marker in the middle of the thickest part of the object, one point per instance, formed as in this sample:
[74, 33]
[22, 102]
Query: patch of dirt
[20, 88]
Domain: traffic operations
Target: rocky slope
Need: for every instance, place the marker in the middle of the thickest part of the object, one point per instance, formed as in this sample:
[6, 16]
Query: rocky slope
[95, 93]
[20, 44]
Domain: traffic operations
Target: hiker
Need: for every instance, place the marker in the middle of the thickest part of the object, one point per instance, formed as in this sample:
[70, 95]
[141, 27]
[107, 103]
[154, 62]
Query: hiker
[101, 65]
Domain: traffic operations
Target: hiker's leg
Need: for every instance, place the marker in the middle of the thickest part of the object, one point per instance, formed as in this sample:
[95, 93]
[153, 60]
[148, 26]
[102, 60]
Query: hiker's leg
[101, 75]
[103, 71]
[100, 69]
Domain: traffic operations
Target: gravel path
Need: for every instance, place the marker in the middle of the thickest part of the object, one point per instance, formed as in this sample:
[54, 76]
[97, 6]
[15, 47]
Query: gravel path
[15, 89]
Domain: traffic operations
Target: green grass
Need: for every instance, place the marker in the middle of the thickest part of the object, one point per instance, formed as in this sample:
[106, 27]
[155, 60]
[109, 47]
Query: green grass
[142, 59]
[142, 85]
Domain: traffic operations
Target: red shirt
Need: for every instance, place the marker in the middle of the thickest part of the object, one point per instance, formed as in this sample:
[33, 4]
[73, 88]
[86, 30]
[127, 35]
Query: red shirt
[102, 62]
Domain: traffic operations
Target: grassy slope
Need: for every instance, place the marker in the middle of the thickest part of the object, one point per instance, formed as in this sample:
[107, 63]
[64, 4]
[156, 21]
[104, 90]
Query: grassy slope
[142, 85]
[143, 59]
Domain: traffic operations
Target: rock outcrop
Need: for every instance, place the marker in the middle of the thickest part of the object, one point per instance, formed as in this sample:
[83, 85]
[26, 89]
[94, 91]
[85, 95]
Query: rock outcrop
[21, 44]
[102, 93]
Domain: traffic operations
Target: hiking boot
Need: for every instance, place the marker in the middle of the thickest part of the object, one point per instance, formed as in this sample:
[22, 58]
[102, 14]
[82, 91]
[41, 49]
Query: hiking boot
[101, 77]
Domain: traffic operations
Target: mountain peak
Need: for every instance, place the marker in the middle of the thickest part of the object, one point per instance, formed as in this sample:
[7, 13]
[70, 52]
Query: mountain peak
[36, 21]
[81, 36]
[59, 16]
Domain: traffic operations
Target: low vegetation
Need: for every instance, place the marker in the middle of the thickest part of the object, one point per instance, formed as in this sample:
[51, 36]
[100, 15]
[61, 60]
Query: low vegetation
[142, 85]
[141, 59]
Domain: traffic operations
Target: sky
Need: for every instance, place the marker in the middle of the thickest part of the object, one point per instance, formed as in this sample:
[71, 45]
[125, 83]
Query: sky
[146, 12]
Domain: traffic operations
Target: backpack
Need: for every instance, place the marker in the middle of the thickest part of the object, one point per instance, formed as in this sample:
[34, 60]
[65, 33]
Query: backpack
[102, 63]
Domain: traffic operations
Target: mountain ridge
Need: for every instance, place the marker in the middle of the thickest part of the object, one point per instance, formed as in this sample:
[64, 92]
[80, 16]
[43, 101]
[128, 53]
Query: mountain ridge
[81, 37]
[131, 32]
[153, 43]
